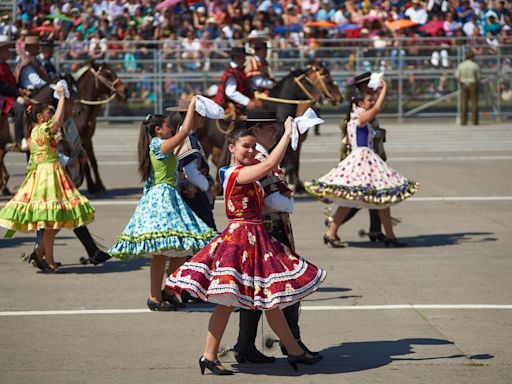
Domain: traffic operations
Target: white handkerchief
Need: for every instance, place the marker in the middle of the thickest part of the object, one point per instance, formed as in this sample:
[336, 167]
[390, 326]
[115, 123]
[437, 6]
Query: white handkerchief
[301, 124]
[374, 82]
[66, 89]
[208, 108]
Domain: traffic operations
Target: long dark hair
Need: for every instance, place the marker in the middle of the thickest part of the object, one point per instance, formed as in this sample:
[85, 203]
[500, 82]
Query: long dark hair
[31, 117]
[355, 96]
[225, 156]
[146, 133]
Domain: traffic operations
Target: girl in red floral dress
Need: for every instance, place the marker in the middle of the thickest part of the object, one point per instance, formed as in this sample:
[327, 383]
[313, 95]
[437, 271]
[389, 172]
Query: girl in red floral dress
[244, 266]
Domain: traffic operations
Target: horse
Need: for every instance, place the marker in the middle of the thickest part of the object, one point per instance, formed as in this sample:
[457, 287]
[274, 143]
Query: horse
[97, 84]
[291, 96]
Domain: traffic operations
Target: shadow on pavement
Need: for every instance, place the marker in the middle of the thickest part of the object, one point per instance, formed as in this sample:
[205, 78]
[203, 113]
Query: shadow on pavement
[135, 192]
[28, 240]
[316, 298]
[434, 240]
[359, 356]
[110, 266]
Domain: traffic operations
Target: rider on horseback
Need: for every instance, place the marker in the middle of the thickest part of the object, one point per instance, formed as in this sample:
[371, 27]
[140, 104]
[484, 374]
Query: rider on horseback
[257, 68]
[235, 86]
[31, 76]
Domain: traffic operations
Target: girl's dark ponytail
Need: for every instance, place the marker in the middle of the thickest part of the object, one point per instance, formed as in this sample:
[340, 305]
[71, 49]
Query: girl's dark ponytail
[146, 134]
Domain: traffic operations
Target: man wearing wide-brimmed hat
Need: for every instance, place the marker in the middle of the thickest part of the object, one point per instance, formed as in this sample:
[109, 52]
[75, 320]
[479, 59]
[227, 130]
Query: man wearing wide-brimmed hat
[257, 68]
[198, 187]
[278, 204]
[46, 58]
[8, 89]
[235, 86]
[30, 75]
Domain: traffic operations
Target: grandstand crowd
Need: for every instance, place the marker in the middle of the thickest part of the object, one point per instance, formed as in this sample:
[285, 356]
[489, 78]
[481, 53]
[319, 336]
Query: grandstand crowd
[196, 28]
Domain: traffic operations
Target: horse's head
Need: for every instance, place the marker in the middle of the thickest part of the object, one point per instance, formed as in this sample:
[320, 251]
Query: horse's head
[107, 81]
[320, 76]
[302, 81]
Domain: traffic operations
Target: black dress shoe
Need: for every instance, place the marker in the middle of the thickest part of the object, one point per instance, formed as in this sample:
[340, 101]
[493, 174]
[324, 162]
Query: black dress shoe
[304, 348]
[162, 306]
[253, 356]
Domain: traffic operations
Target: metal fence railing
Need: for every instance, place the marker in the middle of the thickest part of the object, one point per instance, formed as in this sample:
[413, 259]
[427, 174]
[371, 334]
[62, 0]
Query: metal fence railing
[421, 76]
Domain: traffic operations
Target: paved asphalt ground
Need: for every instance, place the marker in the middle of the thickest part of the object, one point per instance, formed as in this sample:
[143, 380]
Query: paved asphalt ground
[438, 311]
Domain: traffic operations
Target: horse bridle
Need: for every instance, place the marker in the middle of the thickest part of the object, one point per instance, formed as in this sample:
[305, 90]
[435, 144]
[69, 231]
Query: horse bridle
[321, 77]
[111, 85]
[298, 80]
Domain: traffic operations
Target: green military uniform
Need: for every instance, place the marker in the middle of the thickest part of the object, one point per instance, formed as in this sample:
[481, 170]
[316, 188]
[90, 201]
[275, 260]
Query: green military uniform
[468, 74]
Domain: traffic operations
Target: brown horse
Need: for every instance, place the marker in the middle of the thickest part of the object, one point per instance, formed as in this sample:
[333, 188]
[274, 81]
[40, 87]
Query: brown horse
[293, 94]
[96, 85]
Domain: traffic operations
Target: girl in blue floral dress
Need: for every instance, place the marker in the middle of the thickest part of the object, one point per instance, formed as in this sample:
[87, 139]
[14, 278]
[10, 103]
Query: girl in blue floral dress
[162, 225]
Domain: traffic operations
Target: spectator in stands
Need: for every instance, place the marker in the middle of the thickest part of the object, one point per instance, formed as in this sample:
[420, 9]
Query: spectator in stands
[191, 51]
[417, 13]
[492, 25]
[7, 27]
[98, 46]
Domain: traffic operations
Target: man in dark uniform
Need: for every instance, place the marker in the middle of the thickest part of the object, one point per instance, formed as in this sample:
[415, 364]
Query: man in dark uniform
[278, 204]
[361, 83]
[46, 58]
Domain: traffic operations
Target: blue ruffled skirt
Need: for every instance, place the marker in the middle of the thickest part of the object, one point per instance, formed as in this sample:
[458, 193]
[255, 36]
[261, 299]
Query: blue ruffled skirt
[162, 224]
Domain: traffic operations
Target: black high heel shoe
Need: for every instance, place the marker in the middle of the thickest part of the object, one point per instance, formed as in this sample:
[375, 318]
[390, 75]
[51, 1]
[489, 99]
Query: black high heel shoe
[162, 306]
[303, 346]
[213, 366]
[36, 261]
[393, 242]
[305, 358]
[335, 243]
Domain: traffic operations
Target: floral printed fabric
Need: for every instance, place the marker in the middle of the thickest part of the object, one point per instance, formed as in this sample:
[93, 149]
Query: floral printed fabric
[162, 223]
[244, 266]
[362, 179]
[47, 198]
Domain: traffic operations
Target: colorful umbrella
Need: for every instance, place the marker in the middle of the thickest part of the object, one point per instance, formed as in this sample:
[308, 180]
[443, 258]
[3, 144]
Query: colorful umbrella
[399, 24]
[166, 4]
[282, 29]
[321, 24]
[432, 27]
[347, 27]
[59, 16]
[364, 18]
[43, 28]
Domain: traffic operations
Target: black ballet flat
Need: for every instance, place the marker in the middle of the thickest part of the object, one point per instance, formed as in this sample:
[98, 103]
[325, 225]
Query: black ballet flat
[172, 299]
[162, 306]
[305, 358]
[213, 366]
[335, 243]
[394, 242]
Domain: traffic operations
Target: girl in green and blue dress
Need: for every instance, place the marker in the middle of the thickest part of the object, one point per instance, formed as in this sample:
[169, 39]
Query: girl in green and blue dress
[162, 225]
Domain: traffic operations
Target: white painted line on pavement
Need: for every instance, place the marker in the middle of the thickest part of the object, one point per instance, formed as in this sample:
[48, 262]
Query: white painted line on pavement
[418, 159]
[303, 308]
[99, 203]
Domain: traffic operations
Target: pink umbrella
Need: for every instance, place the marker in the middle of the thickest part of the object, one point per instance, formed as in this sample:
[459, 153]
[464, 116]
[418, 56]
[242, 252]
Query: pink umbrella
[166, 4]
[432, 27]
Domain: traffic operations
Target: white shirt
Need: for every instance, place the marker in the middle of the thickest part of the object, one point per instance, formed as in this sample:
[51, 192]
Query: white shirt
[419, 16]
[195, 177]
[231, 91]
[275, 202]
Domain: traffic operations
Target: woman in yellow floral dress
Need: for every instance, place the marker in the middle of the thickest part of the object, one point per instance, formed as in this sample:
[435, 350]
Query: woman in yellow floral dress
[47, 199]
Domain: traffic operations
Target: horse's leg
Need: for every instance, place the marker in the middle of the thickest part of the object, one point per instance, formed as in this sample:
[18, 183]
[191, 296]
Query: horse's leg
[94, 164]
[87, 145]
[295, 159]
[4, 175]
[216, 154]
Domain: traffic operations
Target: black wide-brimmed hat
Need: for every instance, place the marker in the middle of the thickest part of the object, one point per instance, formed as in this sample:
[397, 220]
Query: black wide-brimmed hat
[239, 51]
[361, 79]
[255, 117]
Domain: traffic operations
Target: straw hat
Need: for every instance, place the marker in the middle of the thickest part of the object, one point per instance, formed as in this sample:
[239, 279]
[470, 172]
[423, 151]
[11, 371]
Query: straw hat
[181, 107]
[32, 40]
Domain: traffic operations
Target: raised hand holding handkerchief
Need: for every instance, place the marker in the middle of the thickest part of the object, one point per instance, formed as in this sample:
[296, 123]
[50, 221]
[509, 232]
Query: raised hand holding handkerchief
[64, 84]
[374, 82]
[208, 108]
[301, 124]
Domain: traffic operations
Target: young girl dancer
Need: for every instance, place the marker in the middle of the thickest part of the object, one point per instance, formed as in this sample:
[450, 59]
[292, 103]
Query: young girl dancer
[47, 199]
[363, 179]
[162, 224]
[244, 266]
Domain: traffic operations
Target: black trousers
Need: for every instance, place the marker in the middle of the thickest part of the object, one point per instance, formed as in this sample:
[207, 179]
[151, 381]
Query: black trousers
[249, 319]
[375, 223]
[201, 206]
